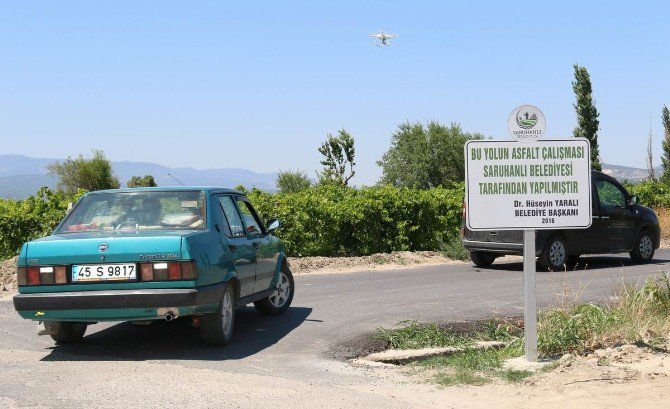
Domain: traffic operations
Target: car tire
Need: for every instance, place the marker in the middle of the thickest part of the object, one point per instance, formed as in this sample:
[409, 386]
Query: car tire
[643, 252]
[482, 258]
[68, 332]
[555, 255]
[280, 300]
[216, 329]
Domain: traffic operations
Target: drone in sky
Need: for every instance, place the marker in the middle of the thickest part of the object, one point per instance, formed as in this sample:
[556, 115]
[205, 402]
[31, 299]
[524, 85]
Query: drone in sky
[382, 39]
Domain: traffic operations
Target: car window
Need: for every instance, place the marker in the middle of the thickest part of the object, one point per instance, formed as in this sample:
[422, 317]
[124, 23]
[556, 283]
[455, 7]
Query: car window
[249, 218]
[137, 210]
[232, 216]
[611, 197]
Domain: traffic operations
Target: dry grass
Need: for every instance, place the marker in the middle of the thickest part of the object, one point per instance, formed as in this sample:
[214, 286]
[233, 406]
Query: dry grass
[664, 220]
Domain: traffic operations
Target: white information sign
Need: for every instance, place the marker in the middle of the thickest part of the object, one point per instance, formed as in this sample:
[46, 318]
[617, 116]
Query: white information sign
[518, 186]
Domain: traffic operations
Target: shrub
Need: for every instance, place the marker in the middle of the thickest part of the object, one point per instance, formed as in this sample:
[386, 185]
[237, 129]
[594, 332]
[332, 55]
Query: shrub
[36, 216]
[329, 220]
[325, 220]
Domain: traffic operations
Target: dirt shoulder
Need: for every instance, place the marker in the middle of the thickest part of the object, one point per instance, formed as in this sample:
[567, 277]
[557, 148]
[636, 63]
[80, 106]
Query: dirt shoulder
[8, 276]
[619, 377]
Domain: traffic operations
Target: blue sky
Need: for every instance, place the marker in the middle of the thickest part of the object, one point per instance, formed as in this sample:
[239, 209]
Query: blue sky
[258, 86]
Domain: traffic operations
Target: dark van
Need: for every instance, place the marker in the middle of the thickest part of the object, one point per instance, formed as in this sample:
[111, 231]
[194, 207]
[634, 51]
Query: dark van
[619, 225]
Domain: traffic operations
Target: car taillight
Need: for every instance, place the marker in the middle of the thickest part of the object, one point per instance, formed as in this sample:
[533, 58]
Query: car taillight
[171, 270]
[33, 276]
[43, 275]
[60, 274]
[21, 278]
[47, 275]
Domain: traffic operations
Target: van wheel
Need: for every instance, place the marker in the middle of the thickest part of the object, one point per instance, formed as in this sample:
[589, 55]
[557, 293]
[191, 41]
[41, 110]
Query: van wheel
[482, 258]
[67, 332]
[216, 329]
[643, 251]
[555, 255]
[279, 301]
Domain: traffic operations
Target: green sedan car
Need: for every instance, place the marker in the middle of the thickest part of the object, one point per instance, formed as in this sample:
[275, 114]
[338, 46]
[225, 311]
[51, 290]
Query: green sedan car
[154, 254]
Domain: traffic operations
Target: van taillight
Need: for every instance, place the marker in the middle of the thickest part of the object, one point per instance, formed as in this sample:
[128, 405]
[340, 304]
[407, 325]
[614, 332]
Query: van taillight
[172, 270]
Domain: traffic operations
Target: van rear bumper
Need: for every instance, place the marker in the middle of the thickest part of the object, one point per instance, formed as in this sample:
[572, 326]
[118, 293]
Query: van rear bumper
[493, 247]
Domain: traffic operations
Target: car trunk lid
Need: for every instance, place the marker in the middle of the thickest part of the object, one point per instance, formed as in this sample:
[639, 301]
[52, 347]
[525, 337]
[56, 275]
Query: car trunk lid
[94, 247]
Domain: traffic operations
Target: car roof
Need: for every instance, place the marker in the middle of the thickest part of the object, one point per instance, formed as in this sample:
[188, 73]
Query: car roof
[205, 189]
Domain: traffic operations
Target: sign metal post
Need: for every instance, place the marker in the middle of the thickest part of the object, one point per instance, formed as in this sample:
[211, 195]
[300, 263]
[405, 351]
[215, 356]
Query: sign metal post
[529, 296]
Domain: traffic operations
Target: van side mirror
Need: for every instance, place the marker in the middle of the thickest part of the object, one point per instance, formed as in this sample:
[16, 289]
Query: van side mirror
[632, 201]
[273, 224]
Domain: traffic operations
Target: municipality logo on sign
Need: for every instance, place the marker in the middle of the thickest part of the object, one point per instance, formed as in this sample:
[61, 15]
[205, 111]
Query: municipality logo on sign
[526, 123]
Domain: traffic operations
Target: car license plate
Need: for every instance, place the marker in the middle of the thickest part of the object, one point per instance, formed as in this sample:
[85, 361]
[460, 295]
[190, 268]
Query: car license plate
[104, 272]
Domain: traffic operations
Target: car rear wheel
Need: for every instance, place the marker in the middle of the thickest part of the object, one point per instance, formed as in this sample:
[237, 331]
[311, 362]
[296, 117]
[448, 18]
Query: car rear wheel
[643, 251]
[67, 332]
[555, 255]
[482, 258]
[217, 328]
[279, 301]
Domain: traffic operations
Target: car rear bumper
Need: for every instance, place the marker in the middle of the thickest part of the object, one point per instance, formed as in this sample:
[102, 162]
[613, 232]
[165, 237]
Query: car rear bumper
[150, 298]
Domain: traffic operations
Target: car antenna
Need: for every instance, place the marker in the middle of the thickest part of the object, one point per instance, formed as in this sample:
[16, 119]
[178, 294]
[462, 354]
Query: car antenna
[175, 179]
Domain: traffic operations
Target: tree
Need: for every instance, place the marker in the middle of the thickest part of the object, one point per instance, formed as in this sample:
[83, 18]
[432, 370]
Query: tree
[88, 174]
[587, 114]
[650, 156]
[665, 159]
[338, 152]
[425, 156]
[146, 181]
[291, 182]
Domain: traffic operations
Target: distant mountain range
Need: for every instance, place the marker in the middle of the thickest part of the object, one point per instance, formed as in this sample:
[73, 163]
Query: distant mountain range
[633, 175]
[21, 176]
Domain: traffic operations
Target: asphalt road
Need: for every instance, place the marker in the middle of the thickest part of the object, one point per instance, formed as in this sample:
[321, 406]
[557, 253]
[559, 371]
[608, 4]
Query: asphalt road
[282, 361]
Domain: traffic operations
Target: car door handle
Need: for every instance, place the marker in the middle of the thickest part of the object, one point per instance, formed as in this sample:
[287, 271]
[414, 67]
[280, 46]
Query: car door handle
[257, 245]
[232, 248]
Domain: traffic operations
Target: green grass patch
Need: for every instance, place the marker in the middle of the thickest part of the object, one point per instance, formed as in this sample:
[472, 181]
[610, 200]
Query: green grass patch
[414, 335]
[640, 315]
[472, 365]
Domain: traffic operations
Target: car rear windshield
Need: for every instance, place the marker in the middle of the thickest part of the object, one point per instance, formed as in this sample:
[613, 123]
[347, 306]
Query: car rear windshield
[142, 210]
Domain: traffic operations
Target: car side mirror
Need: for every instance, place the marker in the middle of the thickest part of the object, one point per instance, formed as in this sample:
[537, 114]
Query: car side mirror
[273, 224]
[632, 201]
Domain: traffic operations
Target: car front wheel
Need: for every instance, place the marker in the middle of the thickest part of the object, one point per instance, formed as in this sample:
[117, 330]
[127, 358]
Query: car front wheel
[217, 328]
[643, 251]
[555, 255]
[279, 301]
[482, 258]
